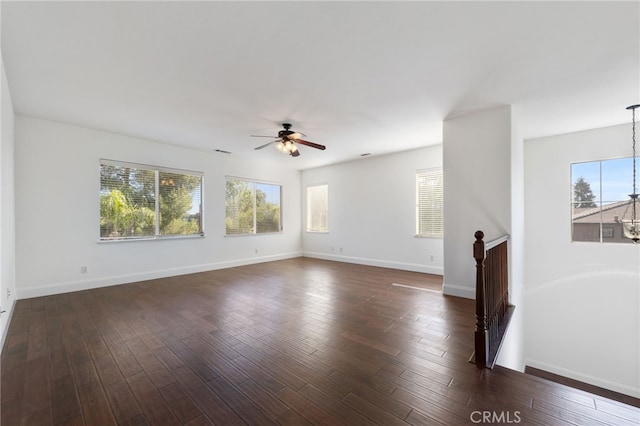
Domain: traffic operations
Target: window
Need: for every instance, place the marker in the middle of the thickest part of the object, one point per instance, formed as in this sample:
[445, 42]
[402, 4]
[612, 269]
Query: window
[318, 208]
[429, 202]
[252, 207]
[146, 202]
[600, 200]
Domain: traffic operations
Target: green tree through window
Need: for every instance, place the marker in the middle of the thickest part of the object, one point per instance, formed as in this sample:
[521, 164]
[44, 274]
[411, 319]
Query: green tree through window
[252, 207]
[583, 196]
[140, 202]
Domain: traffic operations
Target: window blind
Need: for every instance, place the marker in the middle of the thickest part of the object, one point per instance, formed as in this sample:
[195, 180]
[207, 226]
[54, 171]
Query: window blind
[429, 203]
[318, 208]
[141, 202]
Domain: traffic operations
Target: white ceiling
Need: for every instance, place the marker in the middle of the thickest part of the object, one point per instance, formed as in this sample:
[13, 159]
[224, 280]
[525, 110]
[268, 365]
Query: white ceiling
[372, 77]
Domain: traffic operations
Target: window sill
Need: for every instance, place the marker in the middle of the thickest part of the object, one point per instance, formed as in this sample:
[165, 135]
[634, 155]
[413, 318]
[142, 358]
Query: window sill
[167, 238]
[252, 235]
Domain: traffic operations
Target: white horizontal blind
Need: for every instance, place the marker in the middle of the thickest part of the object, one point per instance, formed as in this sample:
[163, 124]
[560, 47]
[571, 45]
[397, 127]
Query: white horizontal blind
[429, 203]
[239, 207]
[318, 208]
[252, 207]
[267, 210]
[141, 202]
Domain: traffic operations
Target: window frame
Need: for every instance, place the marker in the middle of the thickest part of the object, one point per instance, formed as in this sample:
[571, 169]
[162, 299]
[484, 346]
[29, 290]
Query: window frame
[438, 233]
[608, 232]
[157, 235]
[255, 182]
[309, 209]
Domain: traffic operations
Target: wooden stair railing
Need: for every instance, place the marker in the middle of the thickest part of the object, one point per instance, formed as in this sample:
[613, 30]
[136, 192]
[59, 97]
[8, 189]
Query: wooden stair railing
[493, 311]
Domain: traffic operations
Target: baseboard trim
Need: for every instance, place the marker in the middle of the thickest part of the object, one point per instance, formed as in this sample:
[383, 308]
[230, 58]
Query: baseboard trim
[458, 291]
[70, 286]
[403, 266]
[578, 377]
[6, 323]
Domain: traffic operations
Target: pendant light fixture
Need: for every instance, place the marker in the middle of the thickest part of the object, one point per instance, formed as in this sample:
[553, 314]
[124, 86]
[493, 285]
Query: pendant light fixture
[632, 227]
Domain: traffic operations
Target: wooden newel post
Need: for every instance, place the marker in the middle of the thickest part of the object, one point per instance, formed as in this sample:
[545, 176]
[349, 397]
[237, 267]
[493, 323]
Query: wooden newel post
[482, 333]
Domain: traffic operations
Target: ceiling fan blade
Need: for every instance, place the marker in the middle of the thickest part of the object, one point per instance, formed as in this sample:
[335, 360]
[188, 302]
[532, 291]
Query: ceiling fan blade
[296, 135]
[295, 153]
[261, 136]
[311, 144]
[265, 145]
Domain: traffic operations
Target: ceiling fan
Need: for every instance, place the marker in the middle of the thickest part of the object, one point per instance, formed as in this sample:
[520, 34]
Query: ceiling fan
[287, 140]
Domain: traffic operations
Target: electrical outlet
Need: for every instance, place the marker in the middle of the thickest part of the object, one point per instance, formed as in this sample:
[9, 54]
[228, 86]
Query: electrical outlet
[340, 249]
[8, 293]
[256, 251]
[83, 269]
[432, 258]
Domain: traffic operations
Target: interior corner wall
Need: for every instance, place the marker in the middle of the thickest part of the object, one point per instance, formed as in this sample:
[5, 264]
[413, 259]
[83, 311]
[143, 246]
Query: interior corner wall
[477, 192]
[372, 212]
[582, 316]
[57, 182]
[512, 350]
[7, 210]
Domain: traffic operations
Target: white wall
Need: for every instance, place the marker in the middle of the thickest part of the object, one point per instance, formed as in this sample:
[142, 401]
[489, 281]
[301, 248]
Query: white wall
[582, 299]
[57, 184]
[7, 210]
[512, 351]
[372, 208]
[477, 190]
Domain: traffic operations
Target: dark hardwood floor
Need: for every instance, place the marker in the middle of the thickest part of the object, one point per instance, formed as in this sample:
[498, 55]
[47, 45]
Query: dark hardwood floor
[294, 342]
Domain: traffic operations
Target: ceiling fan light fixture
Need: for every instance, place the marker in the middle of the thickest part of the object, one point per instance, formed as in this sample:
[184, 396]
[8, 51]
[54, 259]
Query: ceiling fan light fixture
[287, 141]
[286, 146]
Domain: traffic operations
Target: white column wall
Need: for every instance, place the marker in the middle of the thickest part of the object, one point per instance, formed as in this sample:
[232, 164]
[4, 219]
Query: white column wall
[477, 190]
[512, 353]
